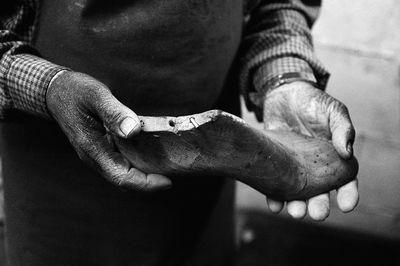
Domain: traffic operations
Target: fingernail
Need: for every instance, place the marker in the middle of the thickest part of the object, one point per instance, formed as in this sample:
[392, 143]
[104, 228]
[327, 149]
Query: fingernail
[127, 126]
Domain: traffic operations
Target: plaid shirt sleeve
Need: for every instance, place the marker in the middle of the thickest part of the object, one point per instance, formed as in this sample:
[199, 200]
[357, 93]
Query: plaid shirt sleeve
[24, 76]
[277, 40]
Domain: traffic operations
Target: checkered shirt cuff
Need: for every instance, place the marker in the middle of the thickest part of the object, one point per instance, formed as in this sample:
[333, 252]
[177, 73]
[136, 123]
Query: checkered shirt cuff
[286, 47]
[27, 80]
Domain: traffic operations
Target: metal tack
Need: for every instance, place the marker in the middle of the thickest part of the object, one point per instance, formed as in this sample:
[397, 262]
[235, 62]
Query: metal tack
[193, 121]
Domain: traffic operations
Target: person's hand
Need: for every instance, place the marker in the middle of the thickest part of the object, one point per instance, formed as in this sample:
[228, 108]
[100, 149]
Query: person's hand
[304, 109]
[87, 112]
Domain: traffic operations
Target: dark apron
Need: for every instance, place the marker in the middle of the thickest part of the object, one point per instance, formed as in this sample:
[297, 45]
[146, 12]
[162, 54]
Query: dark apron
[59, 211]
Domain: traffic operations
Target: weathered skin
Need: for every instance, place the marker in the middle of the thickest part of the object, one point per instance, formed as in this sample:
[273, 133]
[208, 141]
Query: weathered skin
[281, 164]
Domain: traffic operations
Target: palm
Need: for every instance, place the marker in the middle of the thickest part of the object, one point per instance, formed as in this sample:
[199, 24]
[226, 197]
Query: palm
[301, 111]
[301, 108]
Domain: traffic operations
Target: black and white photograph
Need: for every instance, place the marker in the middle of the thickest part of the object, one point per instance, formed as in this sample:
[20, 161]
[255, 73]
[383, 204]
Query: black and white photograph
[199, 133]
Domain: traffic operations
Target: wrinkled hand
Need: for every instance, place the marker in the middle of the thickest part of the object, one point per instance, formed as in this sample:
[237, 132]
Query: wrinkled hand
[87, 112]
[300, 107]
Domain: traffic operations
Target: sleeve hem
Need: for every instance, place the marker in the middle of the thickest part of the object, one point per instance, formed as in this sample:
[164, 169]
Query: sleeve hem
[28, 79]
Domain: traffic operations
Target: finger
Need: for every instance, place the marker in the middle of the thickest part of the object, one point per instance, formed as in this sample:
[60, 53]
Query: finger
[297, 209]
[318, 207]
[348, 196]
[117, 118]
[274, 206]
[115, 168]
[342, 129]
[139, 181]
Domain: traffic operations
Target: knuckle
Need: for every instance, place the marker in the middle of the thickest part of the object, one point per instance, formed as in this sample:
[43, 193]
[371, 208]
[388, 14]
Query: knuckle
[125, 181]
[118, 180]
[116, 177]
[111, 118]
[334, 105]
[140, 185]
[146, 185]
[141, 180]
[110, 113]
[340, 108]
[344, 108]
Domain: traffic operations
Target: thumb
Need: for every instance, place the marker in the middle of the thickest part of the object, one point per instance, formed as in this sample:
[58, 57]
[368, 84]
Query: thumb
[117, 118]
[343, 132]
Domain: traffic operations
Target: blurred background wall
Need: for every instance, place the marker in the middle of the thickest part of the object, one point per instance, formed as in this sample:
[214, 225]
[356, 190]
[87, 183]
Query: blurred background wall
[359, 42]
